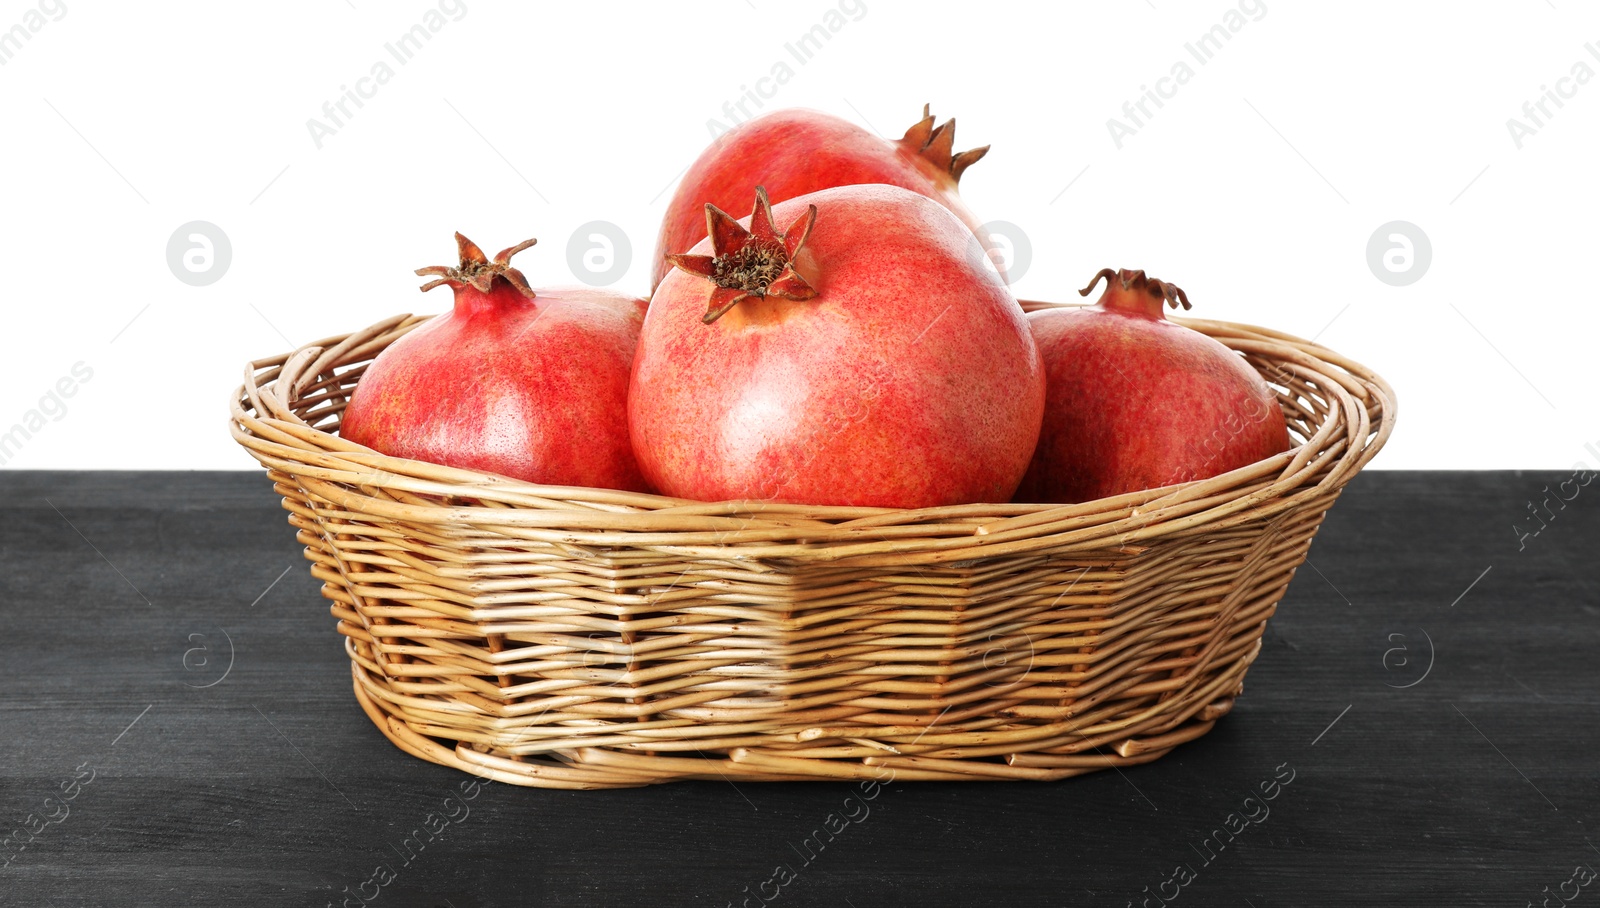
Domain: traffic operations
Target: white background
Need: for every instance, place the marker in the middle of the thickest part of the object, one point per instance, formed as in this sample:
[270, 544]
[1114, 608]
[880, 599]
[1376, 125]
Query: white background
[1256, 187]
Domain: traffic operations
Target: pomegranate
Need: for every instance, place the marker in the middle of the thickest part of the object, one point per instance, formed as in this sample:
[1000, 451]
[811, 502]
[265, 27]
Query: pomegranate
[1137, 402]
[796, 151]
[532, 386]
[861, 356]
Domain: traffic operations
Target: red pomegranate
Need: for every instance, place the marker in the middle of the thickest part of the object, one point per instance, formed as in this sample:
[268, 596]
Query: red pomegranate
[860, 357]
[1137, 402]
[532, 386]
[796, 151]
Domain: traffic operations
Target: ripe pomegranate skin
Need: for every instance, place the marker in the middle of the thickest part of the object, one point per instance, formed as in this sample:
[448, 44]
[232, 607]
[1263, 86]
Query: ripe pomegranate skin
[1137, 402]
[899, 372]
[528, 386]
[795, 151]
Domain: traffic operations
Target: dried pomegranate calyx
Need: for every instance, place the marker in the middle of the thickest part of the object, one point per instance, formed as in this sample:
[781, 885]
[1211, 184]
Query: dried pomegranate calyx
[755, 262]
[477, 271]
[1134, 281]
[937, 145]
[750, 267]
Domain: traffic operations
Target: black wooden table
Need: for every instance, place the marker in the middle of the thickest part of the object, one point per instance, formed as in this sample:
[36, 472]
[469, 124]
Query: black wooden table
[177, 728]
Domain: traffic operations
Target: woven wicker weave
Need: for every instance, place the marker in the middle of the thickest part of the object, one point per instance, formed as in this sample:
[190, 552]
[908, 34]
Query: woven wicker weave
[587, 638]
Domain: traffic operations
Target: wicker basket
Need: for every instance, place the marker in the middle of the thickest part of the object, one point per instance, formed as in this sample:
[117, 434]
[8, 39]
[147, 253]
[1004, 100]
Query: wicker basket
[588, 638]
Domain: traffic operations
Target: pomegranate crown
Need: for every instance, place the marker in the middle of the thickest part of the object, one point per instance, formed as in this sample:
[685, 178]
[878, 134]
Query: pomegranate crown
[755, 262]
[937, 145]
[1136, 280]
[476, 271]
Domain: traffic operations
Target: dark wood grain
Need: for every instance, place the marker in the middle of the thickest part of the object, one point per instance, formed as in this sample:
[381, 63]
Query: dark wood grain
[1477, 785]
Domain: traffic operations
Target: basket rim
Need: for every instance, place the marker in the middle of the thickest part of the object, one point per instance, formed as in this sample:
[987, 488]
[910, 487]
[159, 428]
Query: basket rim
[1360, 414]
